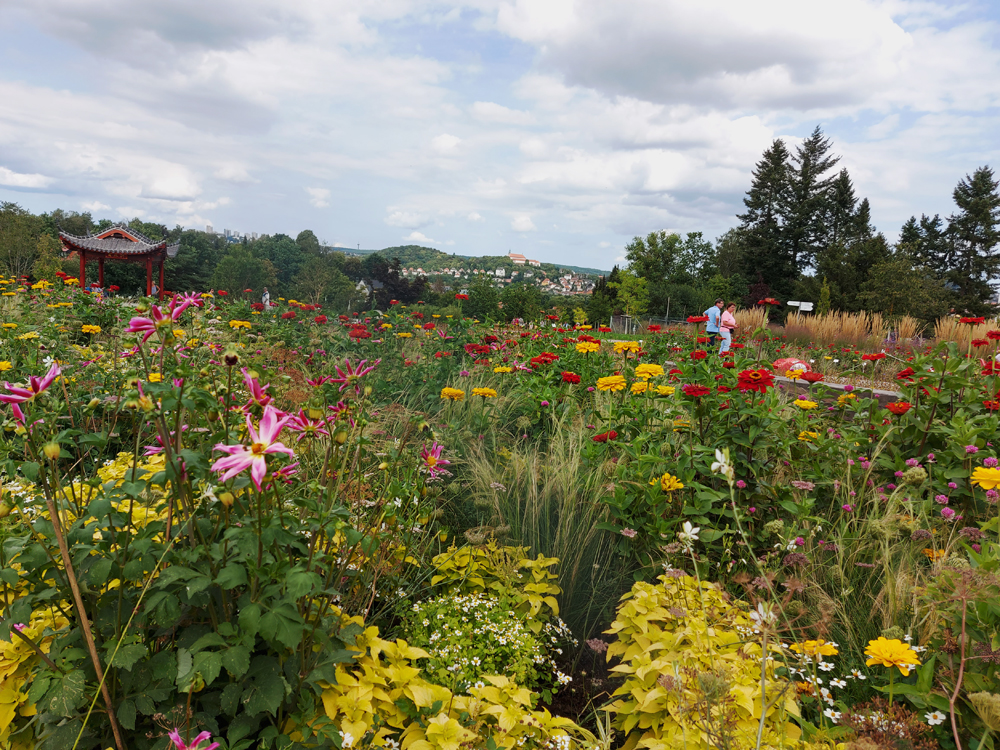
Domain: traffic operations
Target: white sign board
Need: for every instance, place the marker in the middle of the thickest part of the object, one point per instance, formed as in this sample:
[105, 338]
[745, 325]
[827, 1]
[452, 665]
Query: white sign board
[805, 306]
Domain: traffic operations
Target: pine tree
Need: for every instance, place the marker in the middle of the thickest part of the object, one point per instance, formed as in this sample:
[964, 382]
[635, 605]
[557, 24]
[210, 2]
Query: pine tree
[973, 234]
[765, 252]
[806, 219]
[840, 219]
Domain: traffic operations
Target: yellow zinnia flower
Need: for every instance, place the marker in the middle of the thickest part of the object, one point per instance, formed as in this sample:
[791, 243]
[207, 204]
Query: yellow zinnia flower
[665, 390]
[10, 325]
[845, 398]
[611, 383]
[484, 392]
[452, 394]
[988, 479]
[805, 404]
[626, 346]
[815, 648]
[648, 371]
[237, 324]
[5, 365]
[502, 369]
[91, 329]
[793, 374]
[404, 335]
[807, 436]
[28, 336]
[640, 386]
[155, 377]
[587, 347]
[891, 653]
[668, 482]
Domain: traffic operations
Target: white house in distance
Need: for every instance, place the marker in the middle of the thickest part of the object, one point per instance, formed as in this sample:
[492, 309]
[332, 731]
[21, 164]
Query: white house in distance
[519, 260]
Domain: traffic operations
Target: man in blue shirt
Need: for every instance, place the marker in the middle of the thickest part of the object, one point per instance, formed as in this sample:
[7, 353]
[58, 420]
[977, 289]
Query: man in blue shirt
[714, 314]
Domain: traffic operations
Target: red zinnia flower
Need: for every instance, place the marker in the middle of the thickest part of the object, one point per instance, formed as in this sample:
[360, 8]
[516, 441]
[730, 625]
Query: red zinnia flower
[991, 405]
[899, 408]
[605, 436]
[654, 328]
[360, 333]
[429, 326]
[873, 357]
[702, 339]
[737, 346]
[695, 391]
[990, 368]
[223, 293]
[729, 365]
[697, 318]
[461, 296]
[604, 329]
[811, 377]
[570, 377]
[321, 319]
[972, 321]
[490, 339]
[755, 380]
[980, 342]
[993, 335]
[699, 354]
[906, 374]
[288, 315]
[768, 301]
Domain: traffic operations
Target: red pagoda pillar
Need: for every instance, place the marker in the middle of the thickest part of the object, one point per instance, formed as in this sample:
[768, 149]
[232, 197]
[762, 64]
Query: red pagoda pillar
[100, 272]
[161, 281]
[149, 276]
[83, 269]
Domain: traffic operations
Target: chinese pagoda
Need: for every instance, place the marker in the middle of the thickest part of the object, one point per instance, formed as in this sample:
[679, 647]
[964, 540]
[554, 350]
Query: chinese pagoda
[119, 243]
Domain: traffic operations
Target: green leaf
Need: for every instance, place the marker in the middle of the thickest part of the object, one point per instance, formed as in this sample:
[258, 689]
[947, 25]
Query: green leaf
[30, 470]
[231, 576]
[299, 583]
[208, 664]
[185, 663]
[242, 726]
[38, 689]
[68, 693]
[198, 584]
[230, 700]
[100, 573]
[207, 640]
[128, 655]
[250, 619]
[9, 576]
[145, 705]
[126, 714]
[264, 696]
[236, 660]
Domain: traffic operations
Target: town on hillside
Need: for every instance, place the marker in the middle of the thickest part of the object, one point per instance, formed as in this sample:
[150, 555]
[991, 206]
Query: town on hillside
[516, 269]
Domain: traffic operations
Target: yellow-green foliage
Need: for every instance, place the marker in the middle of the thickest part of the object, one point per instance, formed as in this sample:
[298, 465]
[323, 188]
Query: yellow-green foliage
[382, 699]
[504, 572]
[691, 664]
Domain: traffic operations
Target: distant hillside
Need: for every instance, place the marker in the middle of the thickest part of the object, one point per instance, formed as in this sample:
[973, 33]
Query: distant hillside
[434, 260]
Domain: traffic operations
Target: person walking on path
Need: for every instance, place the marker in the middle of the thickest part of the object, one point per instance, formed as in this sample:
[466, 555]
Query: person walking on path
[714, 314]
[727, 324]
[265, 298]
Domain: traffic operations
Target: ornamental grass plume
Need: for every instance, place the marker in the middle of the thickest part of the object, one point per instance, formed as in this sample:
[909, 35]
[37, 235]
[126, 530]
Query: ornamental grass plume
[452, 394]
[611, 383]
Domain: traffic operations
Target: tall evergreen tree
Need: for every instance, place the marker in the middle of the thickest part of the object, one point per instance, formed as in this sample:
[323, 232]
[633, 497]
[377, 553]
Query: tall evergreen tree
[765, 251]
[810, 185]
[841, 208]
[925, 243]
[973, 235]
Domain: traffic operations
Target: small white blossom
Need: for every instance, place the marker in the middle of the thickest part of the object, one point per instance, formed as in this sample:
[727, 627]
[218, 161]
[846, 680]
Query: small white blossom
[934, 718]
[832, 715]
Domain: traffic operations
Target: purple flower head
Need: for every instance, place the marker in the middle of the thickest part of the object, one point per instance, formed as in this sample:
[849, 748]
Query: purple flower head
[751, 509]
[952, 486]
[590, 389]
[463, 374]
[890, 486]
[799, 541]
[990, 463]
[970, 449]
[911, 462]
[848, 388]
[941, 499]
[899, 475]
[930, 458]
[741, 484]
[947, 514]
[991, 495]
[545, 403]
[847, 508]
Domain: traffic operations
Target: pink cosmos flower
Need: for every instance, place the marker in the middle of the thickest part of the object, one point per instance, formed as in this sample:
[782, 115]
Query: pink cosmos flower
[263, 442]
[353, 374]
[257, 394]
[306, 426]
[36, 385]
[179, 744]
[432, 459]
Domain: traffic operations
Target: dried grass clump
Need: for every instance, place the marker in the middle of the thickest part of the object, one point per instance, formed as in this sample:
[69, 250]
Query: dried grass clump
[948, 328]
[752, 318]
[841, 328]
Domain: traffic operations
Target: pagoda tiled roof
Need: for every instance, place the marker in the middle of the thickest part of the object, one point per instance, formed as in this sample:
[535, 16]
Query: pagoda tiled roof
[133, 243]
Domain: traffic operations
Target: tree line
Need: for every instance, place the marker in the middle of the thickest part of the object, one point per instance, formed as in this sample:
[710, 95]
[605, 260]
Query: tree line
[805, 234]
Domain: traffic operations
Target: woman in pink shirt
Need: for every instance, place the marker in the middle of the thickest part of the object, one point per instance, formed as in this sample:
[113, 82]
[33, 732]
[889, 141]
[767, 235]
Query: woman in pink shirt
[726, 327]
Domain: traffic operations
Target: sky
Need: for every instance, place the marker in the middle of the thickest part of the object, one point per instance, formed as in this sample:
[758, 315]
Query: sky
[558, 129]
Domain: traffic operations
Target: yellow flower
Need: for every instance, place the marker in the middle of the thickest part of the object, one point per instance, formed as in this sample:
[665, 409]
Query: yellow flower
[386, 326]
[417, 325]
[640, 386]
[436, 316]
[9, 294]
[805, 404]
[502, 369]
[91, 329]
[404, 335]
[10, 325]
[648, 371]
[452, 394]
[988, 479]
[793, 374]
[28, 336]
[827, 357]
[484, 392]
[179, 333]
[626, 346]
[586, 347]
[5, 365]
[845, 398]
[815, 648]
[155, 377]
[206, 295]
[664, 390]
[681, 424]
[934, 554]
[611, 383]
[668, 483]
[808, 436]
[70, 281]
[237, 324]
[891, 653]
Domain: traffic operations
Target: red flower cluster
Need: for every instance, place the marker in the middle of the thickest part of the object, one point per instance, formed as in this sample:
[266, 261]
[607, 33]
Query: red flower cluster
[972, 321]
[755, 380]
[906, 374]
[899, 408]
[695, 391]
[699, 354]
[697, 318]
[490, 339]
[993, 335]
[223, 293]
[474, 349]
[873, 357]
[258, 306]
[288, 315]
[702, 339]
[811, 377]
[737, 346]
[980, 342]
[768, 301]
[442, 354]
[991, 405]
[114, 288]
[430, 326]
[418, 315]
[394, 302]
[652, 329]
[544, 358]
[570, 377]
[360, 333]
[587, 337]
[461, 296]
[991, 368]
[605, 329]
[605, 436]
[320, 319]
[552, 317]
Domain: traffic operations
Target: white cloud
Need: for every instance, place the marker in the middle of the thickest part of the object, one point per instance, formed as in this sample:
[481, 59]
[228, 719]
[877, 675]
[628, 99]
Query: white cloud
[234, 172]
[407, 219]
[445, 143]
[17, 180]
[492, 112]
[419, 237]
[522, 223]
[318, 197]
[474, 216]
[95, 206]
